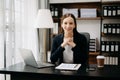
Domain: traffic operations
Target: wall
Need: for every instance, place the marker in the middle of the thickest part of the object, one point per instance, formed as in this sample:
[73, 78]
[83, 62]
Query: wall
[92, 27]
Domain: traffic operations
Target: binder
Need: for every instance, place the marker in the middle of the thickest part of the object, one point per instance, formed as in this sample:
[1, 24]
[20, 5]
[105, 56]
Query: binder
[119, 47]
[105, 12]
[112, 45]
[113, 29]
[118, 10]
[114, 10]
[52, 10]
[109, 11]
[109, 28]
[116, 60]
[116, 46]
[56, 12]
[107, 47]
[118, 28]
[111, 60]
[103, 46]
[105, 29]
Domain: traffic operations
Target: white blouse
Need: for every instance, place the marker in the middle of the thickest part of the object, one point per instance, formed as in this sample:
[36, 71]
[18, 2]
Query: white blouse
[68, 54]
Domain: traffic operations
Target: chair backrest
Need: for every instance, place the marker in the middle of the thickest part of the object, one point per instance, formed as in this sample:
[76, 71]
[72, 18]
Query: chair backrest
[87, 35]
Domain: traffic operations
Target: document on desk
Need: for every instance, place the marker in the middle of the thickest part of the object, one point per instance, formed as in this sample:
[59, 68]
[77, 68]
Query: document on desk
[68, 66]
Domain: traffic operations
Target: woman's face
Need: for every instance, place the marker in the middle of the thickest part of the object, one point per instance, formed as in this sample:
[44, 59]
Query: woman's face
[68, 25]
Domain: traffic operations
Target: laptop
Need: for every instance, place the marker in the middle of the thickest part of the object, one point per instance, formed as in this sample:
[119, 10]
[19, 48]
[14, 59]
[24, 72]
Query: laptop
[29, 59]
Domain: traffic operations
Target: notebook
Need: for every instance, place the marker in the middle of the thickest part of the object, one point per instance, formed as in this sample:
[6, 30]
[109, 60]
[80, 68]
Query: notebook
[29, 59]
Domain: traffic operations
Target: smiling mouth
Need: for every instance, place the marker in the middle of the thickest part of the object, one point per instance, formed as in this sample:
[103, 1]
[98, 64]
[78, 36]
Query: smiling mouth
[69, 29]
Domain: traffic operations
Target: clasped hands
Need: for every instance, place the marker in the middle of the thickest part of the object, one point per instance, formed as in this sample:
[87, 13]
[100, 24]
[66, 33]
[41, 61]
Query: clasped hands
[68, 41]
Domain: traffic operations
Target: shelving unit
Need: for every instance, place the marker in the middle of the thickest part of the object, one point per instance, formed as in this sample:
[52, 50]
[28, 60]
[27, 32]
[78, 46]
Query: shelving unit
[107, 16]
[57, 12]
[110, 32]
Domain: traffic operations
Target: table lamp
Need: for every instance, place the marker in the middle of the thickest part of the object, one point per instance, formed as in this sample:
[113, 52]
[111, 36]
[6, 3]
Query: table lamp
[43, 22]
[44, 19]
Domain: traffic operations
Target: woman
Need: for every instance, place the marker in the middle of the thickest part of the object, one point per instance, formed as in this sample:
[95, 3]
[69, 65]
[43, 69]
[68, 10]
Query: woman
[70, 46]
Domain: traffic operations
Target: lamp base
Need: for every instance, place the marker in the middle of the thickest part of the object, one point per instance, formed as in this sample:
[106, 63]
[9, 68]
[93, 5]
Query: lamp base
[43, 42]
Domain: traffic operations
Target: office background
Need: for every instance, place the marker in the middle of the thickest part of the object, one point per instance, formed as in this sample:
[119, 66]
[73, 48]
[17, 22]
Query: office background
[17, 31]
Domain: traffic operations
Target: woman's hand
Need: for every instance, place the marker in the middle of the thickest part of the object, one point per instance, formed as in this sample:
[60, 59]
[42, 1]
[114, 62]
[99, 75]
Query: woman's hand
[68, 41]
[65, 42]
[71, 42]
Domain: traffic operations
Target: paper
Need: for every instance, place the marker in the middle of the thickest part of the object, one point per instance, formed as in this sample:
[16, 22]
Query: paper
[67, 66]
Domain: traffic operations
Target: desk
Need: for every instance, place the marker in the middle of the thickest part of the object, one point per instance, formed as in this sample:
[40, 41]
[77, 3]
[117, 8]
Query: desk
[22, 72]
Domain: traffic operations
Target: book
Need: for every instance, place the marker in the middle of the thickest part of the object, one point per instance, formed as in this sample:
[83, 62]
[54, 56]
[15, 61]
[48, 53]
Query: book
[68, 66]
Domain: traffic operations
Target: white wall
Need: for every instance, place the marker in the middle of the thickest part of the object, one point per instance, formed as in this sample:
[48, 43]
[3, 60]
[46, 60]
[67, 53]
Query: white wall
[90, 26]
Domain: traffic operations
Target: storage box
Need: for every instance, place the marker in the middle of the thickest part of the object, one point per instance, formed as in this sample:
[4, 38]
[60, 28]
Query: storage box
[74, 11]
[88, 12]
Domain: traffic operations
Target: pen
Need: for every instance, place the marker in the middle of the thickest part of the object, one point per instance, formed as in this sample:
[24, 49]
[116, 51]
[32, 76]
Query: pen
[75, 65]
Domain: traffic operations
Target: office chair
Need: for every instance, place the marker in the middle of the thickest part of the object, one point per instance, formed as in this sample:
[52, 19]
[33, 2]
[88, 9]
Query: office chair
[87, 35]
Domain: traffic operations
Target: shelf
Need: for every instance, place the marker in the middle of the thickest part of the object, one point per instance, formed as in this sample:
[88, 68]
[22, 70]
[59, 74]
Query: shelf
[56, 19]
[112, 54]
[97, 18]
[94, 53]
[88, 5]
[109, 34]
[72, 1]
[92, 57]
[110, 2]
[110, 17]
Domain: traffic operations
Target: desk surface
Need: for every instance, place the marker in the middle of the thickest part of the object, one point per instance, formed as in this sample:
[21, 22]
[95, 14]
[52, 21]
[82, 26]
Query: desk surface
[107, 72]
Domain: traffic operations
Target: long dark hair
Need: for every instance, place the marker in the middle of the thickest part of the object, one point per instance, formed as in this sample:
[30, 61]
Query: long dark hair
[68, 15]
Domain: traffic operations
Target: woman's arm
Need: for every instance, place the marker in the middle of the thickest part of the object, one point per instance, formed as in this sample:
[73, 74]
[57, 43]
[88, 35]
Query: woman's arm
[81, 50]
[57, 50]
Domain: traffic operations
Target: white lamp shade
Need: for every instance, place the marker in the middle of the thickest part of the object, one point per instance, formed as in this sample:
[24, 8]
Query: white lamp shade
[44, 19]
